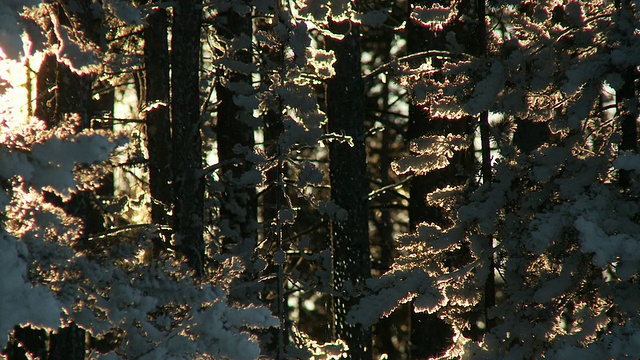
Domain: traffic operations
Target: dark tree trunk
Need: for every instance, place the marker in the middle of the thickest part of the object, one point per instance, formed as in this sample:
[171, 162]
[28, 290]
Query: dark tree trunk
[485, 140]
[186, 161]
[61, 93]
[46, 96]
[68, 343]
[273, 130]
[272, 201]
[272, 197]
[530, 135]
[156, 102]
[430, 335]
[239, 202]
[627, 101]
[25, 343]
[349, 188]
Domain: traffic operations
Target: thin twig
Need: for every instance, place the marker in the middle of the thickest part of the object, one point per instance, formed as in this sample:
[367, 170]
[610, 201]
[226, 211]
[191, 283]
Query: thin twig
[211, 168]
[384, 189]
[417, 56]
[116, 231]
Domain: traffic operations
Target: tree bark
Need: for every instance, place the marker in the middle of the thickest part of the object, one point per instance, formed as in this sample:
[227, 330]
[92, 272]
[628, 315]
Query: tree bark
[239, 203]
[186, 161]
[68, 343]
[349, 188]
[430, 335]
[156, 103]
[627, 103]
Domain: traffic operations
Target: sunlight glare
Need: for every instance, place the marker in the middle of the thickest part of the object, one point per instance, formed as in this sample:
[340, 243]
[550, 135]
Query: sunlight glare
[17, 88]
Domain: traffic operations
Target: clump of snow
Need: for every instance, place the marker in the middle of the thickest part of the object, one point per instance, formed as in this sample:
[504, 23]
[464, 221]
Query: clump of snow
[20, 301]
[332, 210]
[575, 14]
[433, 153]
[287, 216]
[10, 42]
[316, 10]
[420, 164]
[628, 161]
[580, 73]
[78, 54]
[299, 42]
[251, 178]
[322, 62]
[435, 16]
[340, 10]
[606, 248]
[373, 18]
[10, 27]
[54, 161]
[393, 290]
[487, 90]
[123, 11]
[309, 174]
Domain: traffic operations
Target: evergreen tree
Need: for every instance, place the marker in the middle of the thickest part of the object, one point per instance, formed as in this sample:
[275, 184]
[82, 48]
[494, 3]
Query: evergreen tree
[543, 209]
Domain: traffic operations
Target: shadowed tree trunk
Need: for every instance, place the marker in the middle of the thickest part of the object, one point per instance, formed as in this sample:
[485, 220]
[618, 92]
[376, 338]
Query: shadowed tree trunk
[485, 141]
[156, 103]
[26, 341]
[430, 335]
[272, 198]
[186, 161]
[155, 93]
[238, 208]
[626, 99]
[349, 188]
[530, 135]
[68, 343]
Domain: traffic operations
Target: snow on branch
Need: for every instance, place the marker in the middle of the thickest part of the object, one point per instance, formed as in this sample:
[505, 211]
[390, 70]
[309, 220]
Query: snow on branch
[431, 153]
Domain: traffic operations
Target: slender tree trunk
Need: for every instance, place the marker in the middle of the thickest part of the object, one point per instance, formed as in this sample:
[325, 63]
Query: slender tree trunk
[627, 102]
[156, 102]
[186, 161]
[349, 188]
[490, 284]
[239, 203]
[272, 197]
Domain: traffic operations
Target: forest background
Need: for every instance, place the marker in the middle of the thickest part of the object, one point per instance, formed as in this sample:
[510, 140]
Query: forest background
[311, 179]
